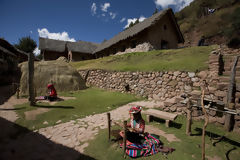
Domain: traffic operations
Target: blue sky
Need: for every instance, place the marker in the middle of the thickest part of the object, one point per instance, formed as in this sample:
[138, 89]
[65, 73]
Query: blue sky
[73, 20]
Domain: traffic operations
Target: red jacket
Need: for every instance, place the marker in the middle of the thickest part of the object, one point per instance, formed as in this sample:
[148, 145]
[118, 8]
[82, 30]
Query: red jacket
[53, 92]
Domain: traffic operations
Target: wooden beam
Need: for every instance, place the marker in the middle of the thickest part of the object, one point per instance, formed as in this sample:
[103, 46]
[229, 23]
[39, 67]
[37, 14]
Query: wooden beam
[109, 126]
[124, 138]
[189, 119]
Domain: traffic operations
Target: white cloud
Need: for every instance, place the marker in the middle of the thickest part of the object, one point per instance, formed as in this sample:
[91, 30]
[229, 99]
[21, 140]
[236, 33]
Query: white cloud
[113, 15]
[141, 18]
[31, 32]
[103, 14]
[105, 7]
[58, 36]
[180, 4]
[122, 20]
[36, 51]
[93, 9]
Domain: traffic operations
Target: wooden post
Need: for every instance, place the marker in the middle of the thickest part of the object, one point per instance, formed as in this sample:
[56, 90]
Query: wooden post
[30, 79]
[189, 119]
[204, 126]
[229, 119]
[109, 126]
[18, 91]
[124, 138]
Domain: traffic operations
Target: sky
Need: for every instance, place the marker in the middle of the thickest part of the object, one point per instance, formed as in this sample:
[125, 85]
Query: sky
[74, 20]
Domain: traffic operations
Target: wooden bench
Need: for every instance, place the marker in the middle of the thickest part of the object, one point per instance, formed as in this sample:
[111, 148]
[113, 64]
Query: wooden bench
[160, 114]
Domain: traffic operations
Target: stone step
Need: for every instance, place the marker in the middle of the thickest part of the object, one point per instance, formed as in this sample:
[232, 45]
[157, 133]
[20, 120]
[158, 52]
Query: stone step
[227, 78]
[228, 73]
[222, 86]
[227, 68]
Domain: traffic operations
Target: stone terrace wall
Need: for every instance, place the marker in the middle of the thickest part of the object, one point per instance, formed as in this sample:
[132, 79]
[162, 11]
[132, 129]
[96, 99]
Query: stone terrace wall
[164, 86]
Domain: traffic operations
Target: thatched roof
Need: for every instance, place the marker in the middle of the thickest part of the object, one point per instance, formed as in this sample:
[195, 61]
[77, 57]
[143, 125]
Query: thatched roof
[82, 46]
[61, 46]
[10, 49]
[52, 45]
[139, 28]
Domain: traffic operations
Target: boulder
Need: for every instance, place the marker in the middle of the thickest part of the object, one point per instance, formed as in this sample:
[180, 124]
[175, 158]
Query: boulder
[61, 74]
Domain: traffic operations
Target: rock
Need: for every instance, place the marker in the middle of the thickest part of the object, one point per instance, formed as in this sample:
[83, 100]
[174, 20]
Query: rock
[179, 109]
[183, 75]
[187, 88]
[176, 73]
[191, 74]
[203, 74]
[173, 108]
[45, 122]
[159, 82]
[59, 121]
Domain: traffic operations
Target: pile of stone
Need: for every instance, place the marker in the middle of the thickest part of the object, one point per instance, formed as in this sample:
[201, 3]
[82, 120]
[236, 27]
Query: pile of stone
[144, 47]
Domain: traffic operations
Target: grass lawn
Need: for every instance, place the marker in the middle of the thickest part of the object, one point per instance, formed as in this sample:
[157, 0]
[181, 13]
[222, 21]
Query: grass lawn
[87, 102]
[188, 149]
[185, 59]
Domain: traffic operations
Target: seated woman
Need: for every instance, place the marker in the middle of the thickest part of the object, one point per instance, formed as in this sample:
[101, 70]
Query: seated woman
[140, 143]
[52, 93]
[136, 125]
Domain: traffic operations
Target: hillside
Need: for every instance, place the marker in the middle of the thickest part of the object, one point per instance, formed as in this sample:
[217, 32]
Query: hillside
[185, 59]
[219, 27]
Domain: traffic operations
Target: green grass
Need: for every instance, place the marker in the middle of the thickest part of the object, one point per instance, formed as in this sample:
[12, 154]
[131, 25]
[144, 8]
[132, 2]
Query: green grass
[87, 102]
[188, 149]
[185, 59]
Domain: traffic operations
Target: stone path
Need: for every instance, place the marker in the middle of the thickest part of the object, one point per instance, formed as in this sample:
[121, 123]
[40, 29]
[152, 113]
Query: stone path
[7, 110]
[76, 134]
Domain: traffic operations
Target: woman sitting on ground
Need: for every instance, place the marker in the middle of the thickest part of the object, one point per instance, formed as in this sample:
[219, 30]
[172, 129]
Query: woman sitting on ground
[140, 143]
[52, 93]
[136, 125]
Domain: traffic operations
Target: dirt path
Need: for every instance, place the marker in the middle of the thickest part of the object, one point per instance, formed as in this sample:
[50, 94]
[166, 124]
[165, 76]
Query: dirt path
[76, 134]
[7, 110]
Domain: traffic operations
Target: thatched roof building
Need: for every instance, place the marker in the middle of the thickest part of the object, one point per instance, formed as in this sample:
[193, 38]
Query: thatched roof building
[7, 49]
[74, 51]
[9, 59]
[160, 31]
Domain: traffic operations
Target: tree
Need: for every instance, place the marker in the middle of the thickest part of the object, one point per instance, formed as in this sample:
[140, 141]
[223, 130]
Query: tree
[137, 21]
[26, 44]
[131, 24]
[156, 11]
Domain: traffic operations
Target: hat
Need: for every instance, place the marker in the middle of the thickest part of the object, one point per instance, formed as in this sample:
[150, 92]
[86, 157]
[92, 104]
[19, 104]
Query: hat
[136, 109]
[49, 85]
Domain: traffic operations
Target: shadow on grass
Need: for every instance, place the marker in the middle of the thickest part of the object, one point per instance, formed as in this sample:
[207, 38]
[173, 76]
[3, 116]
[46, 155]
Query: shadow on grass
[171, 124]
[11, 109]
[17, 142]
[61, 107]
[213, 135]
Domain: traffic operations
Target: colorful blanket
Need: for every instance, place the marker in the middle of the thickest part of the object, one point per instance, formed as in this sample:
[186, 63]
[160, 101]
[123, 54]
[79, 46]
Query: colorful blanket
[148, 147]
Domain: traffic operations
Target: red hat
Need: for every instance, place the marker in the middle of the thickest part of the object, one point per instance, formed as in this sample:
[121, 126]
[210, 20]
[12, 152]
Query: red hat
[136, 109]
[49, 85]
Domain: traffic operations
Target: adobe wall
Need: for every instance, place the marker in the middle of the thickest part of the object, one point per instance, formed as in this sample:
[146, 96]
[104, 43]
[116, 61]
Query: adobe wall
[51, 55]
[76, 56]
[157, 33]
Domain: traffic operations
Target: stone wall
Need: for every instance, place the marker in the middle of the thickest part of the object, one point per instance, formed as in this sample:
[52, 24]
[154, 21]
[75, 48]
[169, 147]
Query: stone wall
[167, 87]
[164, 86]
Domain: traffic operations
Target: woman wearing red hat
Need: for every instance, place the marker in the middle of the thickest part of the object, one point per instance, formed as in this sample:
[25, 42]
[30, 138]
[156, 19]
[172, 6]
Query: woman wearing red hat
[136, 125]
[52, 93]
